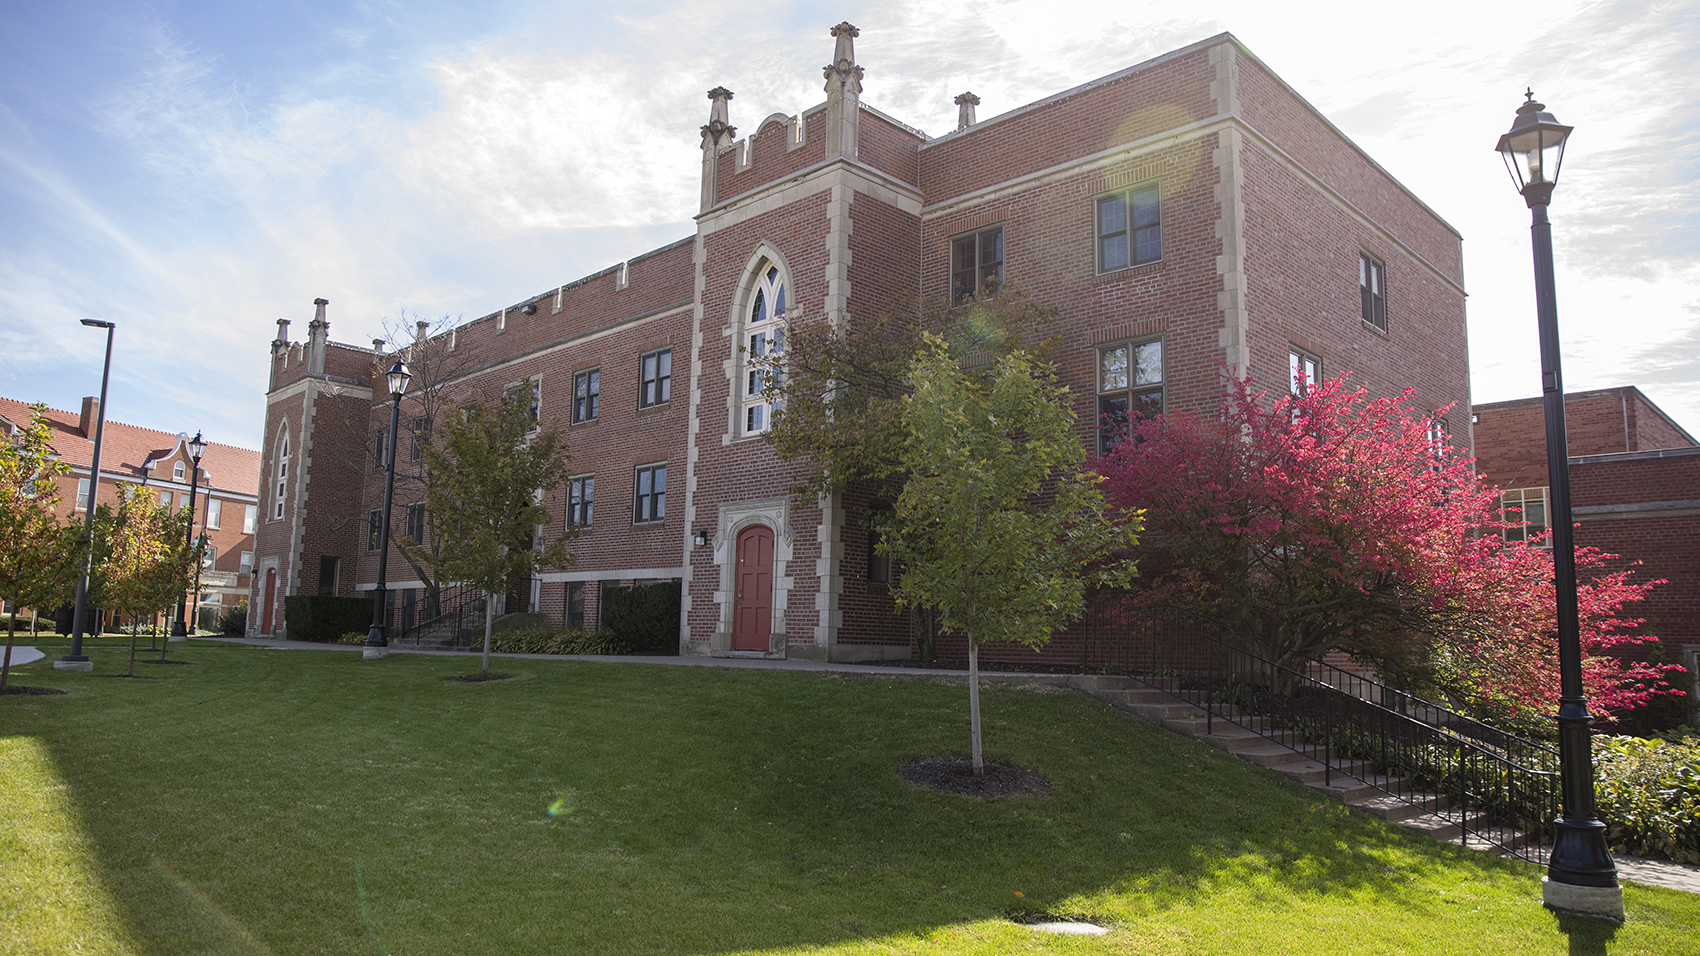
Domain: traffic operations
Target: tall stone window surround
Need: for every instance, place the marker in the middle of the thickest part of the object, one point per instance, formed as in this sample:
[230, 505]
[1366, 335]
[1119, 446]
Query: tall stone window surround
[740, 329]
[733, 518]
[280, 471]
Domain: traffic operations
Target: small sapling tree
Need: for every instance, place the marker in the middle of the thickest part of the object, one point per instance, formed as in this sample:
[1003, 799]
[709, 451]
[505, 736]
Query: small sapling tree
[998, 526]
[492, 470]
[37, 553]
[148, 563]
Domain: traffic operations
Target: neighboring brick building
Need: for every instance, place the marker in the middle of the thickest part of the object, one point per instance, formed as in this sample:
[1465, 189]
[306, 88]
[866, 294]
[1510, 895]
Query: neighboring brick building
[1634, 490]
[225, 506]
[1187, 215]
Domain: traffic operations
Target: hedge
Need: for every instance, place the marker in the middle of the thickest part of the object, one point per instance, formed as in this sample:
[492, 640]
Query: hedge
[644, 615]
[1649, 795]
[320, 617]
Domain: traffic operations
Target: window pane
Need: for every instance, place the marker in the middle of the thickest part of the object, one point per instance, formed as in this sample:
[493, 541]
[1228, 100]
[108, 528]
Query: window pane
[964, 263]
[249, 513]
[1112, 421]
[1148, 244]
[215, 510]
[1112, 216]
[660, 493]
[991, 247]
[1148, 404]
[1145, 208]
[758, 312]
[778, 302]
[1113, 252]
[1149, 359]
[1112, 369]
[754, 419]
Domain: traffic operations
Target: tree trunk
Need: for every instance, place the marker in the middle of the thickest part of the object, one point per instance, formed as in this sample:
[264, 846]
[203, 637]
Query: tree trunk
[6, 665]
[489, 617]
[132, 652]
[974, 703]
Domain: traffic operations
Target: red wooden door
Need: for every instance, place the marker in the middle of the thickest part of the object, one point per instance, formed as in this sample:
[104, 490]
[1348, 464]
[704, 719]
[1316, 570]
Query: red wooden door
[271, 601]
[752, 608]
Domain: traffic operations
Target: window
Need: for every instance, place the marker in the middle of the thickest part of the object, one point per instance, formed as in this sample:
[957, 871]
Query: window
[282, 474]
[531, 392]
[1303, 371]
[421, 435]
[215, 508]
[581, 494]
[182, 502]
[327, 575]
[651, 494]
[587, 388]
[246, 564]
[249, 515]
[381, 446]
[165, 501]
[1372, 286]
[575, 604]
[1130, 229]
[976, 264]
[82, 494]
[1439, 442]
[177, 472]
[212, 597]
[657, 379]
[416, 522]
[764, 340]
[208, 558]
[1130, 388]
[1525, 509]
[374, 529]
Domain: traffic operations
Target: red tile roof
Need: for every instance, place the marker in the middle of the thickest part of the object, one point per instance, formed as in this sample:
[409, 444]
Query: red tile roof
[126, 447]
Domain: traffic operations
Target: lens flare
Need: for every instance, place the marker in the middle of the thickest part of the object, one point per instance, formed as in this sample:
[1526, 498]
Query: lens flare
[564, 803]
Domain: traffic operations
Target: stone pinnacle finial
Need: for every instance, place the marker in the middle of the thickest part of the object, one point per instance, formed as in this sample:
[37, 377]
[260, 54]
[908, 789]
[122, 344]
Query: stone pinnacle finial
[965, 104]
[843, 69]
[719, 131]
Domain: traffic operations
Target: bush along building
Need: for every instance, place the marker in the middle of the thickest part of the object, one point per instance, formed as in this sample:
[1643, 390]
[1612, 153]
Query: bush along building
[1634, 490]
[1189, 216]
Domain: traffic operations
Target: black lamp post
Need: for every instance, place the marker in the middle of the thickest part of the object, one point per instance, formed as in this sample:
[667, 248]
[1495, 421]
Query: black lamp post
[376, 644]
[197, 447]
[1580, 873]
[77, 660]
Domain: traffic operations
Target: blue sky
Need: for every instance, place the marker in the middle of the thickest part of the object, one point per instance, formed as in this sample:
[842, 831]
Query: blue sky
[194, 171]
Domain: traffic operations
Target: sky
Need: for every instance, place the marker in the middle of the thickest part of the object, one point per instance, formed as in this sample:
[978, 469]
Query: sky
[194, 171]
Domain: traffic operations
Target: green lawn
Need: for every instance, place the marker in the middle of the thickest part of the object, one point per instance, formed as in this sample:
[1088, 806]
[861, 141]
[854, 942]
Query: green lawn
[309, 802]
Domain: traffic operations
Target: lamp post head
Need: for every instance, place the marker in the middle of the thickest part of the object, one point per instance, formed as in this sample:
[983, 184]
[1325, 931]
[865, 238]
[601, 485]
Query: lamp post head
[398, 377]
[98, 324]
[197, 447]
[1533, 151]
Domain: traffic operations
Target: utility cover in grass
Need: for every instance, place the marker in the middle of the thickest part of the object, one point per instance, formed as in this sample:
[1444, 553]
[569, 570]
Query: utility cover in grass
[957, 776]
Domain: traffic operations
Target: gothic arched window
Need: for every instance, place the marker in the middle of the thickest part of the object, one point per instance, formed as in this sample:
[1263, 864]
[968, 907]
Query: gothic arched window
[763, 341]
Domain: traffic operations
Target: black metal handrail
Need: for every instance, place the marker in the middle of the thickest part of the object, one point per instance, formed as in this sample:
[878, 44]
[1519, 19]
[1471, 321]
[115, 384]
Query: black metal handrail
[1494, 787]
[456, 607]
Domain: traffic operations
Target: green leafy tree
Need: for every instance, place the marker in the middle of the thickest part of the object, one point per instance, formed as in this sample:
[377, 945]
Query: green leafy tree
[148, 561]
[37, 552]
[492, 469]
[999, 526]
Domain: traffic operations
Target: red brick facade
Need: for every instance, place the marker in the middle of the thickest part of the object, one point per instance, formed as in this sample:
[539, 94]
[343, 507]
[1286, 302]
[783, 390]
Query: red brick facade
[1264, 212]
[1634, 490]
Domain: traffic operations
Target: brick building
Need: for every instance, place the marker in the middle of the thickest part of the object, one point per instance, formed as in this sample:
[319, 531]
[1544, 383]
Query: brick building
[1186, 215]
[1634, 491]
[226, 509]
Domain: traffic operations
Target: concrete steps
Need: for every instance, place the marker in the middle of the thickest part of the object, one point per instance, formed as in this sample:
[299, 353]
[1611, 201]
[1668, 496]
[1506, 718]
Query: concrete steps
[1351, 782]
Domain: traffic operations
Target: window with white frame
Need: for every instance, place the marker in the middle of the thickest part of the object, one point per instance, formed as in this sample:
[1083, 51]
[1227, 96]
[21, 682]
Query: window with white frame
[177, 472]
[1303, 371]
[1130, 388]
[1130, 228]
[82, 494]
[764, 341]
[1525, 513]
[581, 497]
[250, 517]
[165, 501]
[282, 482]
[246, 565]
[215, 510]
[1439, 442]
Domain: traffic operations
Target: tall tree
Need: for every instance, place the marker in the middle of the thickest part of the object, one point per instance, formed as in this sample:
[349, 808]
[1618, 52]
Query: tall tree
[37, 554]
[1331, 520]
[998, 526]
[492, 470]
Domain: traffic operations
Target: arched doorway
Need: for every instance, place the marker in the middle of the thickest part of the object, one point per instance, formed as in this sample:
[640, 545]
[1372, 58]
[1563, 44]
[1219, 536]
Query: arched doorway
[752, 608]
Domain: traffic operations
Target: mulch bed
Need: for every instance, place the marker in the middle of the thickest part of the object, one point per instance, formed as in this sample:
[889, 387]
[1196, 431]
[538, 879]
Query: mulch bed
[476, 678]
[33, 691]
[957, 776]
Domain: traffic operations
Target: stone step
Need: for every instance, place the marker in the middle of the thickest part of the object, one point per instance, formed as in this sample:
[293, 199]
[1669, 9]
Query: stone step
[1097, 683]
[1313, 773]
[1397, 810]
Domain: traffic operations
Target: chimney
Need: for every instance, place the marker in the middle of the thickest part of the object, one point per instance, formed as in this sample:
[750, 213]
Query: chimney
[318, 332]
[843, 93]
[420, 328]
[719, 132]
[90, 416]
[965, 104]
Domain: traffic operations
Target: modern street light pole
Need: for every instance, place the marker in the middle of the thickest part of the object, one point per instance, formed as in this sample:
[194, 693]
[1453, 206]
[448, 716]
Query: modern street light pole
[77, 660]
[197, 448]
[1581, 876]
[376, 644]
